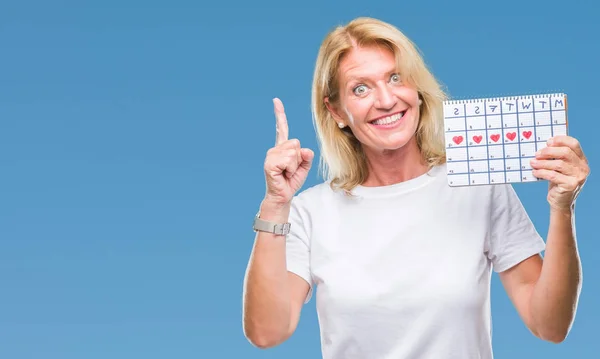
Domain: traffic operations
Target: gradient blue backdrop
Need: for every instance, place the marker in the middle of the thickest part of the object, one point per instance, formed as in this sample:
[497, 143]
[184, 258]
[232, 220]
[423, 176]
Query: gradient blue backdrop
[132, 139]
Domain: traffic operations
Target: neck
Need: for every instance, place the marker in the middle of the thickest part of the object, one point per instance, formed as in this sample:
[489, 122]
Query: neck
[394, 166]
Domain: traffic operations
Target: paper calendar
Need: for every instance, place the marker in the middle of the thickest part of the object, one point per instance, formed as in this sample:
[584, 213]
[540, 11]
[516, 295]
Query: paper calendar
[492, 140]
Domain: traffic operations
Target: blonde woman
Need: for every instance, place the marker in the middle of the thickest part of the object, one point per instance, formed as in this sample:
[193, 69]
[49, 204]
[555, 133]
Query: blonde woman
[402, 261]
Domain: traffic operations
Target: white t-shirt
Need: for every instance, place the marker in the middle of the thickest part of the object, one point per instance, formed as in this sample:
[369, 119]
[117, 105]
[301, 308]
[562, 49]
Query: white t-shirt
[403, 271]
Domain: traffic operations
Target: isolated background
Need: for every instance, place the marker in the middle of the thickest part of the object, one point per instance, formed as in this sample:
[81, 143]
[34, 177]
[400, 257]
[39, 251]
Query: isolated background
[132, 139]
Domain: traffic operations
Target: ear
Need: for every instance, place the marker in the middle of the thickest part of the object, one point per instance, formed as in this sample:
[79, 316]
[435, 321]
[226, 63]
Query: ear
[334, 112]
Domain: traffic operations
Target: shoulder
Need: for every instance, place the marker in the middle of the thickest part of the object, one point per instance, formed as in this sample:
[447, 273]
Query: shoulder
[317, 201]
[307, 205]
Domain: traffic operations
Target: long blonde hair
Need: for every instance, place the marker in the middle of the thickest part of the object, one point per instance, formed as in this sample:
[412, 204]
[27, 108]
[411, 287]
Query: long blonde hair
[343, 161]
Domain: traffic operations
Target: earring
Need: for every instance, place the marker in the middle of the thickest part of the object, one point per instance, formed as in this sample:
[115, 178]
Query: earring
[341, 125]
[420, 102]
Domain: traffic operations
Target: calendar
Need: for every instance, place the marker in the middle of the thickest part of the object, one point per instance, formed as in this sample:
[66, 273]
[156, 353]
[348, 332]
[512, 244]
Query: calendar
[491, 140]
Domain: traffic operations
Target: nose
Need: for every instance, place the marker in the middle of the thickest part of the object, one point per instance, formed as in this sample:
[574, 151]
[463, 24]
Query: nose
[386, 99]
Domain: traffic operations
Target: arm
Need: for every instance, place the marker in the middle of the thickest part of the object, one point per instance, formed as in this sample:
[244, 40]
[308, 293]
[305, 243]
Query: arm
[273, 297]
[546, 293]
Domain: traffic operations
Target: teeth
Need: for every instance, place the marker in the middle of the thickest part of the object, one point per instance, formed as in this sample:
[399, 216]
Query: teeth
[389, 119]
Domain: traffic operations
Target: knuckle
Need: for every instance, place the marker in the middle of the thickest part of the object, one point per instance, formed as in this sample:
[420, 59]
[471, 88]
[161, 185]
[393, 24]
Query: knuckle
[586, 169]
[562, 189]
[291, 158]
[284, 158]
[582, 176]
[289, 143]
[268, 165]
[573, 183]
[561, 152]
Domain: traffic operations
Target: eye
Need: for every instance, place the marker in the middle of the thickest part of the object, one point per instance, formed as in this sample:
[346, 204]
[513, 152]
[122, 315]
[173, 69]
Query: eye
[360, 90]
[395, 78]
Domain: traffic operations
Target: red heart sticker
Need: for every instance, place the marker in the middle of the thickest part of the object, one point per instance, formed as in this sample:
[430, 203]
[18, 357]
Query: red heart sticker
[495, 137]
[477, 138]
[511, 135]
[527, 134]
[457, 139]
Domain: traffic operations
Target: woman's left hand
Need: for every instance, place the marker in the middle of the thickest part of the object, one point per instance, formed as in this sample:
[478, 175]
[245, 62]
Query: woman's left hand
[564, 165]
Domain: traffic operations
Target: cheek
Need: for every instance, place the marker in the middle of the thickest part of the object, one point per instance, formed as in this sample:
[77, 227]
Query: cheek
[410, 96]
[357, 111]
[349, 116]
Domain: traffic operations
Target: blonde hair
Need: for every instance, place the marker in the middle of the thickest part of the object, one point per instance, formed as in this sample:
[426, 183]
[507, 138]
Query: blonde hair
[342, 158]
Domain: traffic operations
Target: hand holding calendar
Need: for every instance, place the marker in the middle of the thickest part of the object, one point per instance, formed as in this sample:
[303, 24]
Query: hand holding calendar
[514, 139]
[565, 166]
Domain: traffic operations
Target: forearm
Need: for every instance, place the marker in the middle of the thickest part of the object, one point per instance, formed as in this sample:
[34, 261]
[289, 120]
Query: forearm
[266, 287]
[555, 295]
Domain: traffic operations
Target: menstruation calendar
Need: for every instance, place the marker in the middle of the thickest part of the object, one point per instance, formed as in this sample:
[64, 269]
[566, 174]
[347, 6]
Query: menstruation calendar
[492, 140]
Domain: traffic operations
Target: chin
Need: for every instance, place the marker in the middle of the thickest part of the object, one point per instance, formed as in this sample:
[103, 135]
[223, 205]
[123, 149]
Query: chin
[396, 145]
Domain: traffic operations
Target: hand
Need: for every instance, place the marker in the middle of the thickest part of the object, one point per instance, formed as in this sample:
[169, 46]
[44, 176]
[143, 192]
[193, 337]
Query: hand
[287, 164]
[564, 165]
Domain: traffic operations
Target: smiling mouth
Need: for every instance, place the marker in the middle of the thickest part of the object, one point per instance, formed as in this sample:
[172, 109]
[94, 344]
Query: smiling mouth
[388, 120]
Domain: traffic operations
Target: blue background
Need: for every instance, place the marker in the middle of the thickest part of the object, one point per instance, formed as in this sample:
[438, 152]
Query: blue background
[132, 139]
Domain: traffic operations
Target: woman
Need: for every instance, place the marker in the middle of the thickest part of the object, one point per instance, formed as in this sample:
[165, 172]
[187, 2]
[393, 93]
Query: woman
[402, 261]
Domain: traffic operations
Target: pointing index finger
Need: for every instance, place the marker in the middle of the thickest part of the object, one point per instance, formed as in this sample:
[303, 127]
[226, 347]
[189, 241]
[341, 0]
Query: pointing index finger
[281, 121]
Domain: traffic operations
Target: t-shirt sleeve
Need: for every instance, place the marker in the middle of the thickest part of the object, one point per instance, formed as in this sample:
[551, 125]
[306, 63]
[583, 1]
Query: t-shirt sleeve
[513, 237]
[298, 244]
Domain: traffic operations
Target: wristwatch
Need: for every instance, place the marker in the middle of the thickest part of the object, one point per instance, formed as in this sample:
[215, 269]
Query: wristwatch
[281, 229]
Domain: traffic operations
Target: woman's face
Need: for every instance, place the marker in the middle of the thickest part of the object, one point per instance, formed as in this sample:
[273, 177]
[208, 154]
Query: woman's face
[381, 110]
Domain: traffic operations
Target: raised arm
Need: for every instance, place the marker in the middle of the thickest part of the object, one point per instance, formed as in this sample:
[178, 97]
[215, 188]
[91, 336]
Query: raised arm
[546, 293]
[273, 297]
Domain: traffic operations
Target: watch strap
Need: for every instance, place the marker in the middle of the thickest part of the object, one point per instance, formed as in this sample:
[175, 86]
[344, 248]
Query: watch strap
[281, 229]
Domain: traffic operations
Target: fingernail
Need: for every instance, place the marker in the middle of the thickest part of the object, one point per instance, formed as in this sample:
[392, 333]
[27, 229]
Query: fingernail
[550, 140]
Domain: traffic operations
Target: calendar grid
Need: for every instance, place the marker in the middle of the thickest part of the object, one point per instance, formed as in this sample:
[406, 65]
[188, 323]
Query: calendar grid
[534, 127]
[520, 149]
[551, 123]
[502, 126]
[491, 140]
[465, 113]
[487, 135]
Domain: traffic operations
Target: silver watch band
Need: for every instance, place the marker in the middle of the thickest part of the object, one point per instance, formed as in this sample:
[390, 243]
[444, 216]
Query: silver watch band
[281, 229]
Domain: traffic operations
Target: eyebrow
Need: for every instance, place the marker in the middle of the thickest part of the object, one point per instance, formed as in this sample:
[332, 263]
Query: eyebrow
[366, 78]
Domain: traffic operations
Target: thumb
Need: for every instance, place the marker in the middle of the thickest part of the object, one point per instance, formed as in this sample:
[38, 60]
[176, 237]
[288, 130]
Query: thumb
[307, 157]
[307, 154]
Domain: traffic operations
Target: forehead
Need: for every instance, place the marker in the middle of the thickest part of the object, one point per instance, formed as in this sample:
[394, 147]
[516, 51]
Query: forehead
[367, 61]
